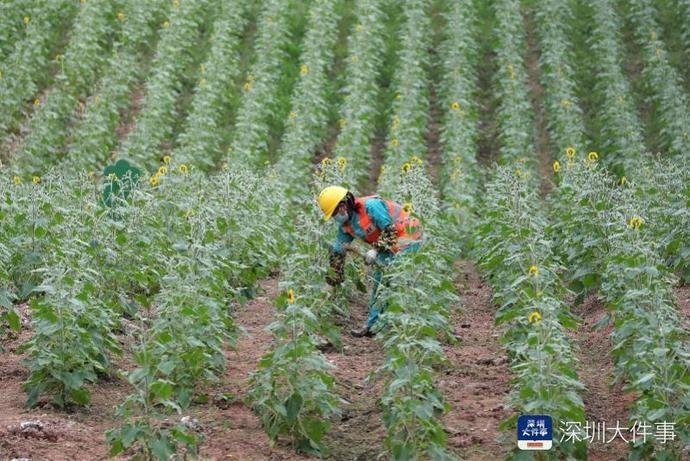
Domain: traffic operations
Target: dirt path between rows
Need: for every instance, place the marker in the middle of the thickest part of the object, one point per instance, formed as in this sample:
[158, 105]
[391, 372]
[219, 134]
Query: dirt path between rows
[479, 381]
[604, 402]
[541, 138]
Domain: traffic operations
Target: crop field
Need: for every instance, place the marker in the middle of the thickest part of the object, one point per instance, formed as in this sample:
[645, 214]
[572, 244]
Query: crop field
[164, 260]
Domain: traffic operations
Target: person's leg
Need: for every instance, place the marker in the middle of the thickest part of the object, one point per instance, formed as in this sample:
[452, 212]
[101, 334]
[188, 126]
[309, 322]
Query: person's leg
[373, 308]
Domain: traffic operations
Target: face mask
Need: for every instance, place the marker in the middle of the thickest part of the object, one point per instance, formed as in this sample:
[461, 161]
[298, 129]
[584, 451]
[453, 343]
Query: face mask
[341, 218]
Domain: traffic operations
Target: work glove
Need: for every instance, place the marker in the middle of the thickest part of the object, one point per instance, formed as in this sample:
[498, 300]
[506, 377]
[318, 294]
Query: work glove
[370, 256]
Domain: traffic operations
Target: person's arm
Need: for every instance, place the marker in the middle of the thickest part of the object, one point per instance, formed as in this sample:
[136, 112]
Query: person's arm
[388, 240]
[337, 258]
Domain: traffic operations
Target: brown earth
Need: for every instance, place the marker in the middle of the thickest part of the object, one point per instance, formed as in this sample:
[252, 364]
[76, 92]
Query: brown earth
[605, 402]
[681, 297]
[479, 381]
[128, 121]
[541, 139]
[378, 144]
[434, 153]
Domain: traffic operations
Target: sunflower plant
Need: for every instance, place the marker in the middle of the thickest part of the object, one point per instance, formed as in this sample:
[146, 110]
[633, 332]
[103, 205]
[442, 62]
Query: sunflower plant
[513, 249]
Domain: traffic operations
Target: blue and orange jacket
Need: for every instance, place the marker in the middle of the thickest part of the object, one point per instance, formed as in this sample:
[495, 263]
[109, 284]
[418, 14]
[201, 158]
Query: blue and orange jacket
[374, 215]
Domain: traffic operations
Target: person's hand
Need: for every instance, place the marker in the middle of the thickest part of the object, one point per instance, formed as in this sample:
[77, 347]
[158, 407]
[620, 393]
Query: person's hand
[370, 256]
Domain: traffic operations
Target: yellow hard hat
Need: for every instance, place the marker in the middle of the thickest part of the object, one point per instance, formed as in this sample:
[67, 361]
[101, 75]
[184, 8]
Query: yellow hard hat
[329, 198]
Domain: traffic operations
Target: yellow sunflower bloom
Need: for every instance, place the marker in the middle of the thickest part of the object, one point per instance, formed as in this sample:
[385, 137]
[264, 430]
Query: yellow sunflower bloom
[36, 179]
[570, 152]
[304, 69]
[408, 208]
[37, 102]
[326, 162]
[153, 180]
[556, 166]
[166, 24]
[533, 271]
[163, 170]
[635, 222]
[623, 181]
[27, 20]
[407, 166]
[592, 156]
[291, 296]
[455, 105]
[17, 180]
[534, 317]
[120, 16]
[342, 163]
[167, 159]
[183, 168]
[395, 142]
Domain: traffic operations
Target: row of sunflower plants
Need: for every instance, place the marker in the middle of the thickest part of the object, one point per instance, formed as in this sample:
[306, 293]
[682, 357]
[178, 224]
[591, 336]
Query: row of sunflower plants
[292, 389]
[12, 27]
[50, 224]
[605, 231]
[416, 287]
[685, 24]
[27, 69]
[221, 245]
[364, 62]
[663, 82]
[259, 101]
[181, 37]
[514, 250]
[621, 133]
[458, 97]
[94, 135]
[215, 95]
[410, 108]
[181, 338]
[664, 187]
[563, 110]
[311, 99]
[82, 63]
[516, 126]
[417, 292]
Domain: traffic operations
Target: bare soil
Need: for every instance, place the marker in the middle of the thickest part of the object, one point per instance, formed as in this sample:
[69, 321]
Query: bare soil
[479, 381]
[681, 297]
[376, 154]
[605, 402]
[433, 138]
[541, 138]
